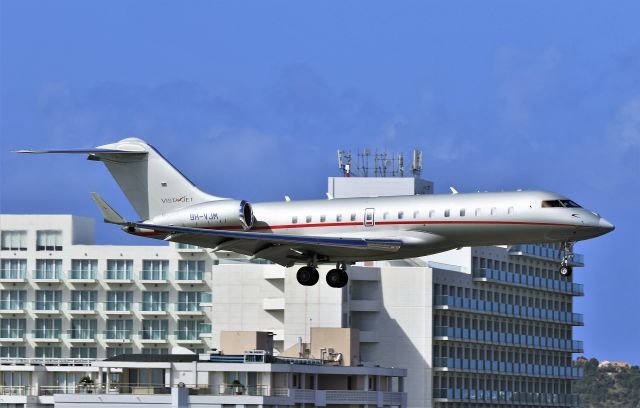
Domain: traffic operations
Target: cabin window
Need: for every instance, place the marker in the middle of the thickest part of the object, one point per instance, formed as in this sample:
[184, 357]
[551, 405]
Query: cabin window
[447, 213]
[400, 215]
[510, 211]
[294, 220]
[308, 219]
[353, 216]
[415, 214]
[369, 216]
[462, 212]
[385, 215]
[431, 213]
[478, 211]
[493, 210]
[339, 217]
[323, 218]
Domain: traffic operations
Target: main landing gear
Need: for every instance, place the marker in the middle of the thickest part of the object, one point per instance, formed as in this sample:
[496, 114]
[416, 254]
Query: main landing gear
[336, 278]
[565, 268]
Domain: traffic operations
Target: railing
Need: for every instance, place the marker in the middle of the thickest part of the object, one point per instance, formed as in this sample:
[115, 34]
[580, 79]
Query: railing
[85, 305]
[153, 334]
[82, 274]
[11, 333]
[533, 281]
[488, 336]
[189, 275]
[507, 367]
[17, 390]
[13, 274]
[205, 328]
[543, 252]
[45, 274]
[117, 306]
[117, 334]
[46, 361]
[153, 275]
[188, 306]
[508, 309]
[206, 297]
[81, 334]
[45, 333]
[187, 335]
[529, 398]
[46, 305]
[153, 306]
[12, 304]
[117, 275]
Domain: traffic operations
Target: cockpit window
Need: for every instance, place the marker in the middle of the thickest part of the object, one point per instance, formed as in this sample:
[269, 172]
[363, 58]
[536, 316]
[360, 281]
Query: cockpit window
[570, 204]
[551, 203]
[560, 203]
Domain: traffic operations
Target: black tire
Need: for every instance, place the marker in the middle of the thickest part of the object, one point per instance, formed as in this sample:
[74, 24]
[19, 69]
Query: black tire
[337, 278]
[307, 276]
[566, 270]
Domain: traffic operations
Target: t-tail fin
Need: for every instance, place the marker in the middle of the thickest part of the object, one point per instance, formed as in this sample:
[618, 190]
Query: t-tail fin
[152, 184]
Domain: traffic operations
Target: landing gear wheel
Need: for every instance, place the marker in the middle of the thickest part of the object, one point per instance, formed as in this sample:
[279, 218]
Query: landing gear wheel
[337, 278]
[565, 270]
[307, 276]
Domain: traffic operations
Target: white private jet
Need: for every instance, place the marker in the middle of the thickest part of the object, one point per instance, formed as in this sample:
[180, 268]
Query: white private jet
[341, 231]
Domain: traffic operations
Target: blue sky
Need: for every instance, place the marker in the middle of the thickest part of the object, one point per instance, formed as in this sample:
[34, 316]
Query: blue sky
[252, 99]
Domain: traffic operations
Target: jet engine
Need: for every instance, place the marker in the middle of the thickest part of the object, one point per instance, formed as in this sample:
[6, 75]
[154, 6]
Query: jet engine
[222, 214]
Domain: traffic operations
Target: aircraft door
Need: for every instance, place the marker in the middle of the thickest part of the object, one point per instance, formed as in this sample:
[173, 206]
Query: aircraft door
[369, 217]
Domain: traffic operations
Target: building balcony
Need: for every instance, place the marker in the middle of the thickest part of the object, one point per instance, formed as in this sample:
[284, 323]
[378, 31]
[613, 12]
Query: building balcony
[81, 335]
[274, 273]
[187, 337]
[500, 367]
[273, 303]
[153, 336]
[117, 336]
[525, 312]
[152, 308]
[188, 309]
[46, 307]
[13, 276]
[507, 339]
[505, 397]
[153, 277]
[12, 306]
[364, 305]
[11, 335]
[115, 276]
[80, 276]
[82, 307]
[44, 276]
[46, 335]
[515, 279]
[190, 277]
[117, 307]
[543, 253]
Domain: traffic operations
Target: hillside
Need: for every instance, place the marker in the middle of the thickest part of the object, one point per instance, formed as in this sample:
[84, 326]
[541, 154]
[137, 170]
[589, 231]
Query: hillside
[608, 387]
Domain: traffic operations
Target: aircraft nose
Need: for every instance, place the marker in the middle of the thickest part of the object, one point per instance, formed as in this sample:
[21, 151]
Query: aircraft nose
[606, 225]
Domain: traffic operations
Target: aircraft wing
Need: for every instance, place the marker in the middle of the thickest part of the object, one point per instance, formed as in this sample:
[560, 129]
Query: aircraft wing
[279, 248]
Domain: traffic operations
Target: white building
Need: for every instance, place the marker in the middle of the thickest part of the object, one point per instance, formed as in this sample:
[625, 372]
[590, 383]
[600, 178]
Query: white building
[61, 296]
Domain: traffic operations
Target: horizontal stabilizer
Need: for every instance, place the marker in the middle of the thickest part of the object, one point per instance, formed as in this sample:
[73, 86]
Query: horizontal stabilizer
[109, 214]
[81, 151]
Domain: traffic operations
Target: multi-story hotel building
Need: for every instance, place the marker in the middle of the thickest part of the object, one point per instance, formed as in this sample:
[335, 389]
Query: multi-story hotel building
[61, 296]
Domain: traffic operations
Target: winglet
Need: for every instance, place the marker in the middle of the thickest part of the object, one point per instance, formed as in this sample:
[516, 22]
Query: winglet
[109, 214]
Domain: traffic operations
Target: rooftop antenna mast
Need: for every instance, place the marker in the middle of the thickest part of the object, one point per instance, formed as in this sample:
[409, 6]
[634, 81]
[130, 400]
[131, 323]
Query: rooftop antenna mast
[344, 162]
[416, 166]
[401, 165]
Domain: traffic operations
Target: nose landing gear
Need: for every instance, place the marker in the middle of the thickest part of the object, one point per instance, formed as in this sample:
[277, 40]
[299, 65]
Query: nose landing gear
[338, 278]
[565, 268]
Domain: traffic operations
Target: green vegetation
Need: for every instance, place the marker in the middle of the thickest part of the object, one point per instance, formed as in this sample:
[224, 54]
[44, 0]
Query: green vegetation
[608, 387]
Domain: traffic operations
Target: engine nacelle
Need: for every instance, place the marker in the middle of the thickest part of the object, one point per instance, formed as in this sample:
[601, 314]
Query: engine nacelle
[223, 214]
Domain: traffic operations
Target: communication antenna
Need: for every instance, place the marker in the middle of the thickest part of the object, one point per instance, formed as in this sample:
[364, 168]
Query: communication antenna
[416, 166]
[344, 162]
[401, 165]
